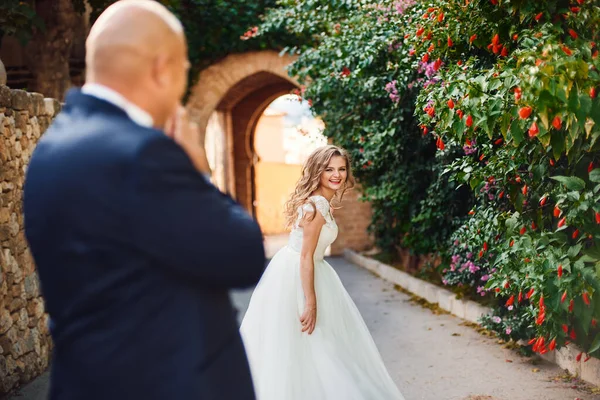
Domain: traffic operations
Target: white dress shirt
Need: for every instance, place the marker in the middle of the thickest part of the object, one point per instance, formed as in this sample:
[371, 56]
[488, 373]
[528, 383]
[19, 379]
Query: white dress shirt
[135, 113]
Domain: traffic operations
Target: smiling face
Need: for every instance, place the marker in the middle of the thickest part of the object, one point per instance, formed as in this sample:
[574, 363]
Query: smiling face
[335, 174]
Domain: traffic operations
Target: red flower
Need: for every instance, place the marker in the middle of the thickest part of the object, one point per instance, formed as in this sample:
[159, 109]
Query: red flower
[593, 93]
[510, 301]
[469, 121]
[425, 58]
[541, 317]
[565, 328]
[598, 218]
[586, 298]
[437, 64]
[494, 2]
[560, 274]
[587, 358]
[451, 104]
[485, 246]
[530, 293]
[532, 341]
[411, 52]
[542, 305]
[533, 226]
[440, 17]
[539, 16]
[552, 345]
[420, 31]
[533, 130]
[515, 36]
[567, 51]
[524, 190]
[543, 201]
[575, 234]
[504, 52]
[497, 290]
[594, 322]
[562, 222]
[460, 114]
[578, 358]
[518, 94]
[573, 34]
[571, 305]
[590, 167]
[563, 297]
[345, 71]
[512, 243]
[506, 285]
[552, 163]
[498, 142]
[430, 111]
[573, 335]
[520, 298]
[556, 212]
[523, 230]
[557, 123]
[440, 144]
[574, 10]
[472, 39]
[450, 42]
[525, 112]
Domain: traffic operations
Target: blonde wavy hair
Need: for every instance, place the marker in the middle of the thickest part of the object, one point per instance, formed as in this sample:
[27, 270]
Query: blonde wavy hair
[310, 180]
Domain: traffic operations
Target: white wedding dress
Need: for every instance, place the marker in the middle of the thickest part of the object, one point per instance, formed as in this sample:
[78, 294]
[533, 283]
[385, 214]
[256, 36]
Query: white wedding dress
[339, 361]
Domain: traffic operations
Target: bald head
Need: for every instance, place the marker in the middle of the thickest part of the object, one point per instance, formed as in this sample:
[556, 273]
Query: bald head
[137, 47]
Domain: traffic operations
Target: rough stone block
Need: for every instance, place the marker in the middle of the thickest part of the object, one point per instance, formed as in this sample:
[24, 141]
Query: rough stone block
[5, 96]
[31, 286]
[37, 102]
[20, 100]
[6, 321]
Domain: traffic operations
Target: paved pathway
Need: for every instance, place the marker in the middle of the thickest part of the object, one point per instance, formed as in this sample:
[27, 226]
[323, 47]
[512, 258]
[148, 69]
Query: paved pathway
[431, 357]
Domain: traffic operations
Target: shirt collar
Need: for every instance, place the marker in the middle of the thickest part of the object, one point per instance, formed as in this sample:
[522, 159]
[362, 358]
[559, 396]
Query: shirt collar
[105, 93]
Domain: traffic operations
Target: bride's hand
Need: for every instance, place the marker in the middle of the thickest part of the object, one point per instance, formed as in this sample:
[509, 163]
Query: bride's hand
[309, 319]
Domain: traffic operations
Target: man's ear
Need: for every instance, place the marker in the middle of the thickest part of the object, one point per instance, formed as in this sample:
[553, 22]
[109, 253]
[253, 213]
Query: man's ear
[160, 70]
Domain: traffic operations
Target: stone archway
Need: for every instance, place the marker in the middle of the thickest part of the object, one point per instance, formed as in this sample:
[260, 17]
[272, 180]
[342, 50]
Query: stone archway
[232, 94]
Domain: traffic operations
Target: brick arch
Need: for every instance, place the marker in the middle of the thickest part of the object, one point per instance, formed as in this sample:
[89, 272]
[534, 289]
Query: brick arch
[232, 94]
[236, 91]
[228, 81]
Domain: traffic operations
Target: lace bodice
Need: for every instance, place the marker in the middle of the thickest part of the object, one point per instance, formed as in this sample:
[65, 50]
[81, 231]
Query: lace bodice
[328, 232]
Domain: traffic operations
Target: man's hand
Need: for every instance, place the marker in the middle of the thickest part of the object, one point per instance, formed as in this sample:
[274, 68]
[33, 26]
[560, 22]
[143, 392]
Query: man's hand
[187, 135]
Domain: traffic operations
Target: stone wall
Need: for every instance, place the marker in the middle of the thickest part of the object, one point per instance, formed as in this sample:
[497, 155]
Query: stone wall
[353, 220]
[24, 338]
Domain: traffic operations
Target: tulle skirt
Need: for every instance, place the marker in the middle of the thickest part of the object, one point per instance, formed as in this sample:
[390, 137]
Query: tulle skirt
[338, 361]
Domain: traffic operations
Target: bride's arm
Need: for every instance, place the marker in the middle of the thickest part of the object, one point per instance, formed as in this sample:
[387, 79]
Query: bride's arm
[311, 230]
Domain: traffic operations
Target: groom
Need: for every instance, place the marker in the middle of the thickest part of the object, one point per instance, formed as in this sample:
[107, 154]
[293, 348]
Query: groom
[135, 249]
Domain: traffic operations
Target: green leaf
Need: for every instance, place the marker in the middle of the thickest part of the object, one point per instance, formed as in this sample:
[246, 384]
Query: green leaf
[571, 182]
[595, 175]
[595, 344]
[574, 251]
[516, 133]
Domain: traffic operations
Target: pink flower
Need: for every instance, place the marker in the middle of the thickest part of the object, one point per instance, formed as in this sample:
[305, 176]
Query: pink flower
[508, 331]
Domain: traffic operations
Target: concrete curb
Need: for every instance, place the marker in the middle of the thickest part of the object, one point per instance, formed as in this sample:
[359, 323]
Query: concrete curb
[565, 358]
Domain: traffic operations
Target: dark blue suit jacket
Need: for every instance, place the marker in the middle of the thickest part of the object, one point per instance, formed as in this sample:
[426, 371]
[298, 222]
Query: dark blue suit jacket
[136, 252]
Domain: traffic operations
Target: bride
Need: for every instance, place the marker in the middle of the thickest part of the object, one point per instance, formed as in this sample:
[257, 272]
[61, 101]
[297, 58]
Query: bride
[304, 337]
